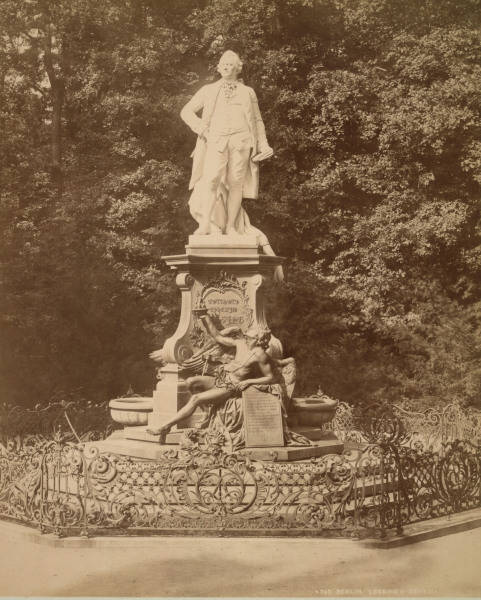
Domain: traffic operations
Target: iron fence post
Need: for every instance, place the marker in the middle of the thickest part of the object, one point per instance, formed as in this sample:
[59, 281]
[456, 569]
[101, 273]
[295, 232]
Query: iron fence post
[84, 531]
[382, 514]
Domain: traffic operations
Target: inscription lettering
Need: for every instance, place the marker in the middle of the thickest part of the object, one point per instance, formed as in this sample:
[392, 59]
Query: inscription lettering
[229, 306]
[262, 419]
[215, 301]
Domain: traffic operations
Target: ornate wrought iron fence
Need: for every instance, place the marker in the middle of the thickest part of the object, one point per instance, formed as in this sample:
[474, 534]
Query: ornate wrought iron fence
[433, 427]
[67, 488]
[384, 482]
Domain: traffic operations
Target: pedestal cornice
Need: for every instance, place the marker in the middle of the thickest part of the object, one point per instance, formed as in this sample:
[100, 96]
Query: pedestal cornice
[260, 261]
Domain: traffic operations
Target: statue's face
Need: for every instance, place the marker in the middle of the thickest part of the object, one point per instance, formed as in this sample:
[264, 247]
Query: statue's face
[251, 340]
[228, 68]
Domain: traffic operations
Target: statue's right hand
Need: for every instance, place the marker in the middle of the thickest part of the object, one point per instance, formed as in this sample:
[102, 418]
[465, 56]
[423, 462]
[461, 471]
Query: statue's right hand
[203, 134]
[279, 274]
[157, 356]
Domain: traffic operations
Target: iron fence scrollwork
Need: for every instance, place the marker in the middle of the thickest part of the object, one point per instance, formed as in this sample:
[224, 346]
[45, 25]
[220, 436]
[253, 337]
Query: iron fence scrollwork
[386, 478]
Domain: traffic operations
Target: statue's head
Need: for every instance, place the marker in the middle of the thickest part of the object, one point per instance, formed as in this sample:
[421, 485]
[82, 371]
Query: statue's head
[229, 64]
[258, 336]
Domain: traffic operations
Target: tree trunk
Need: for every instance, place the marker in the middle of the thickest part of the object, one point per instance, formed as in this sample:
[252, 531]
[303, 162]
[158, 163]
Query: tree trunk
[56, 136]
[57, 91]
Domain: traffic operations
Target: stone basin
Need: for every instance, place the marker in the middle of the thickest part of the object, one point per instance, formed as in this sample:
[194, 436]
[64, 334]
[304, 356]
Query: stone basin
[315, 411]
[131, 411]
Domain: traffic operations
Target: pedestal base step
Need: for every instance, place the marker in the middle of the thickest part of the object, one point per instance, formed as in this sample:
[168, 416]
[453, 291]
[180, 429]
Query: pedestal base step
[156, 451]
[141, 434]
[287, 453]
[134, 448]
[174, 437]
[314, 433]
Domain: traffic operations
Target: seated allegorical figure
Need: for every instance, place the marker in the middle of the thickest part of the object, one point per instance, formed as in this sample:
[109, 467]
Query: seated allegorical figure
[220, 394]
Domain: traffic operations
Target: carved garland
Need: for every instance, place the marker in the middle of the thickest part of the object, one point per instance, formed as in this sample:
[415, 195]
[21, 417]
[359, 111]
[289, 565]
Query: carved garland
[224, 282]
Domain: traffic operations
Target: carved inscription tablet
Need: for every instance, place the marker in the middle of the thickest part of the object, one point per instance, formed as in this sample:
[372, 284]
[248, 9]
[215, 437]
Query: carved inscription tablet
[229, 306]
[262, 419]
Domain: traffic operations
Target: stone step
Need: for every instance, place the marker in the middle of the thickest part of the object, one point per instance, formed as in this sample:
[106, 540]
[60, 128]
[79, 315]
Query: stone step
[133, 448]
[174, 437]
[145, 448]
[313, 433]
[288, 453]
[141, 434]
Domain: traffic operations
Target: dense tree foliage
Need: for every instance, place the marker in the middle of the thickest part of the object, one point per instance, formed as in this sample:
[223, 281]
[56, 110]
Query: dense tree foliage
[373, 108]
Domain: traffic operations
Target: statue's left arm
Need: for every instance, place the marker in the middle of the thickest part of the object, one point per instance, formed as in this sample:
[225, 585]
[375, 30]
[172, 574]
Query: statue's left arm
[262, 143]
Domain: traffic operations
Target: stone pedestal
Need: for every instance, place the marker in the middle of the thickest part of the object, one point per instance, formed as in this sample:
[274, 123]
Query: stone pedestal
[170, 395]
[226, 274]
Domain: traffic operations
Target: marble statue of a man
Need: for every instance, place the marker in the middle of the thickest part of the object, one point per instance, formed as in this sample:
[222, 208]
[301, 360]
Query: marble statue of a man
[231, 141]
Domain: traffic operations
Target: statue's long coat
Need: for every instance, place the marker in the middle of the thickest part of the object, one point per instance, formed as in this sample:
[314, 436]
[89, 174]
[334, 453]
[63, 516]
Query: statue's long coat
[205, 100]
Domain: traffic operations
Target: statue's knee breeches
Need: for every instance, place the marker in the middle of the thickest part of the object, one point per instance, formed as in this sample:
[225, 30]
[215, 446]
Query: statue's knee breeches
[211, 182]
[236, 179]
[215, 162]
[237, 166]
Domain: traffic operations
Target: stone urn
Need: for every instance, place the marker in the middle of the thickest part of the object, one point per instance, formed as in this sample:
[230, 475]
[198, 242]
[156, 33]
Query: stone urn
[313, 411]
[131, 411]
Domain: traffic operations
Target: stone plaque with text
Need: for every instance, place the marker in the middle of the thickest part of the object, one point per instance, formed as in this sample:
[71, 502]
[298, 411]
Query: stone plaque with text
[262, 419]
[229, 306]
